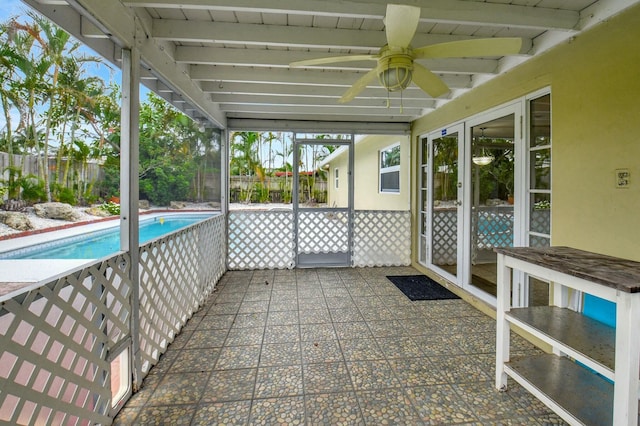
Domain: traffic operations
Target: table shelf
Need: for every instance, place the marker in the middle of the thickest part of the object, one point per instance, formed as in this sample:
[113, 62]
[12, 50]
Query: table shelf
[592, 376]
[549, 376]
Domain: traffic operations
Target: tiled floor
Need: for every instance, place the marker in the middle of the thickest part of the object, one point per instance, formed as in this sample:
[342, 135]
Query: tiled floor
[330, 347]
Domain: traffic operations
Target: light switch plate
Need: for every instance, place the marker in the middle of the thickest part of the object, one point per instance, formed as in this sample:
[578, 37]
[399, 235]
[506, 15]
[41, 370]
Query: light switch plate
[622, 178]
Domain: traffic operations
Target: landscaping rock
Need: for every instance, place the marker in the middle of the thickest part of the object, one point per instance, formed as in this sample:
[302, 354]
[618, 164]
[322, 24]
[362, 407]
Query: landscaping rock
[177, 205]
[60, 211]
[97, 211]
[17, 221]
[143, 204]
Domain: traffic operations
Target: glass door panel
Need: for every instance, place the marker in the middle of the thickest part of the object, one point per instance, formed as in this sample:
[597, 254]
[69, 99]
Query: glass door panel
[492, 166]
[444, 203]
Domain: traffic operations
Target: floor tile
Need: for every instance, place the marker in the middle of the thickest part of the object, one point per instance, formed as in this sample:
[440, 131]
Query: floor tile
[321, 351]
[331, 347]
[230, 385]
[388, 406]
[279, 381]
[372, 375]
[440, 405]
[195, 360]
[273, 354]
[231, 357]
[234, 413]
[333, 409]
[326, 377]
[168, 415]
[179, 388]
[273, 411]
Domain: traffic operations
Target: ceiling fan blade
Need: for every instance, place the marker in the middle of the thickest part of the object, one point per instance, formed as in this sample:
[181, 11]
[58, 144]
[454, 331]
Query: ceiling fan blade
[333, 59]
[467, 48]
[358, 86]
[401, 23]
[428, 81]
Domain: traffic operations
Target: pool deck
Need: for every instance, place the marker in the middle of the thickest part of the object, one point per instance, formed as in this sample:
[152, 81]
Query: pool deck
[331, 347]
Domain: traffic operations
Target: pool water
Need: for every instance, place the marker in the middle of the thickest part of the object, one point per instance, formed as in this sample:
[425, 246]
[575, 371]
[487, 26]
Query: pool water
[97, 244]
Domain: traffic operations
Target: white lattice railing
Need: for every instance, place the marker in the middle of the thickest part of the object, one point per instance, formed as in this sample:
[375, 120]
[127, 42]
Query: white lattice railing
[265, 240]
[381, 238]
[56, 338]
[260, 240]
[177, 272]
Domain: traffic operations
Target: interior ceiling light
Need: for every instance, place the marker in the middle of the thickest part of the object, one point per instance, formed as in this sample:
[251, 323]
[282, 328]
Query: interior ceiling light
[484, 159]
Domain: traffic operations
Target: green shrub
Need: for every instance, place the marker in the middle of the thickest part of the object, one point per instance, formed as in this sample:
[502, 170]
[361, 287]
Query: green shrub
[32, 189]
[111, 207]
[66, 195]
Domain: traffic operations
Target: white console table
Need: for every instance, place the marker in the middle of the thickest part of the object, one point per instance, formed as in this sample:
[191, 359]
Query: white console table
[575, 393]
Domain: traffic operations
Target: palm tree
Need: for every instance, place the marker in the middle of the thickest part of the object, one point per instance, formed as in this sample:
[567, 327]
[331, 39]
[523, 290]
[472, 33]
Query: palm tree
[32, 86]
[55, 46]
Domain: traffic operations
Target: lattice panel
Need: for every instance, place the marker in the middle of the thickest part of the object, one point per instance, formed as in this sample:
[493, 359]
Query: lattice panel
[169, 291]
[177, 273]
[382, 238]
[323, 231]
[445, 237]
[211, 245]
[260, 240]
[54, 344]
[493, 227]
[540, 221]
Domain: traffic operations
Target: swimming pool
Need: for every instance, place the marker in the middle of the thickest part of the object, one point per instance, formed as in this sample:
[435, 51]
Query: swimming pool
[101, 243]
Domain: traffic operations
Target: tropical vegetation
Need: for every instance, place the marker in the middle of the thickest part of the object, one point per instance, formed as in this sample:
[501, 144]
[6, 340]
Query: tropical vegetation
[56, 112]
[60, 116]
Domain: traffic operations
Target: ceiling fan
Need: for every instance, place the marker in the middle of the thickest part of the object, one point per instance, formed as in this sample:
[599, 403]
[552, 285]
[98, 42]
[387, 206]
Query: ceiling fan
[396, 67]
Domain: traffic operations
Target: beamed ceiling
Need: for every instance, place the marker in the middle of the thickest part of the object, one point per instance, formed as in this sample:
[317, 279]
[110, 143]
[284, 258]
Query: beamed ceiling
[227, 61]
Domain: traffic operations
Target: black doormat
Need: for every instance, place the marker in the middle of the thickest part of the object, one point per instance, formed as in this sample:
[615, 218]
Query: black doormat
[421, 287]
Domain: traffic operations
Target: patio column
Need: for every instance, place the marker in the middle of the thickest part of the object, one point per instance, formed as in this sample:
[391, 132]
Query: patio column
[129, 191]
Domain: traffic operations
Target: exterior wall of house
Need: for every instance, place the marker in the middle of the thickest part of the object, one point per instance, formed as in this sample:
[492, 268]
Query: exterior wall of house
[595, 95]
[367, 195]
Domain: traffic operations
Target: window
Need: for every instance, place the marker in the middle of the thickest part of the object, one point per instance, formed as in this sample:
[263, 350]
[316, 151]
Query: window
[390, 169]
[337, 178]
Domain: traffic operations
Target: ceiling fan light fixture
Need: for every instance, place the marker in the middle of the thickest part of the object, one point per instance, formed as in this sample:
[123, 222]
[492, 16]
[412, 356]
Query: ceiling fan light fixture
[397, 72]
[396, 78]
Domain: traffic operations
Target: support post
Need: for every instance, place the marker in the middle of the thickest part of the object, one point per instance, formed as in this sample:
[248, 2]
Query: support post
[129, 192]
[502, 326]
[627, 361]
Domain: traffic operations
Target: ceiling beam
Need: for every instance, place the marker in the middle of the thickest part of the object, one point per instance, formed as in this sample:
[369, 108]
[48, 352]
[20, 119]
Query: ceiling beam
[279, 35]
[218, 87]
[327, 111]
[290, 76]
[282, 59]
[295, 101]
[329, 118]
[359, 127]
[450, 11]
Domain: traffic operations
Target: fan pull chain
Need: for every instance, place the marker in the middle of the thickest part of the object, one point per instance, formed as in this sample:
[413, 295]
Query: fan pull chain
[388, 101]
[401, 104]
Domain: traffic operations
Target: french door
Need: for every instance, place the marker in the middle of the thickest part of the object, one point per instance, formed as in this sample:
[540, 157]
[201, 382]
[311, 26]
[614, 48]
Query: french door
[472, 198]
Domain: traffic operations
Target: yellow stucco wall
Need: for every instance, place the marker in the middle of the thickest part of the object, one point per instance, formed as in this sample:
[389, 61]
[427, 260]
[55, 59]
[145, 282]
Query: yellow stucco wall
[595, 95]
[366, 178]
